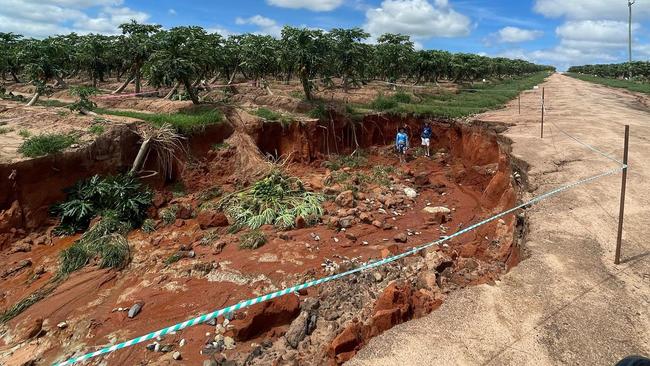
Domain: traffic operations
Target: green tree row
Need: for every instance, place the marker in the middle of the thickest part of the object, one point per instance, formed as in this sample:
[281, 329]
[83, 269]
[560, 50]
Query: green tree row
[192, 58]
[638, 69]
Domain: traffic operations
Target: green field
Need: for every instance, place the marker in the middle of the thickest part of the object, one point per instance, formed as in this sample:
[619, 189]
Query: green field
[614, 83]
[184, 122]
[468, 101]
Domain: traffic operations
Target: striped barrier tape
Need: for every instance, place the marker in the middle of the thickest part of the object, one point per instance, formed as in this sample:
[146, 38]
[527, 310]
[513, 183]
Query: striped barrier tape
[250, 302]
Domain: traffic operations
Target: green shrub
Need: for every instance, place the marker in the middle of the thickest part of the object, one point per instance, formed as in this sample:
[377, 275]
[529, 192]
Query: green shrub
[252, 240]
[168, 215]
[174, 258]
[123, 195]
[148, 226]
[97, 129]
[337, 162]
[383, 103]
[4, 130]
[83, 92]
[46, 144]
[219, 146]
[275, 200]
[186, 122]
[320, 112]
[267, 114]
[402, 97]
[24, 133]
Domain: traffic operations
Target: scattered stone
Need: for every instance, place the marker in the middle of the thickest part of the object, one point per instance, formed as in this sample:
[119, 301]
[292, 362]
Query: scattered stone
[166, 348]
[378, 277]
[365, 217]
[346, 222]
[351, 236]
[135, 309]
[400, 238]
[410, 192]
[210, 363]
[229, 343]
[208, 219]
[435, 210]
[177, 356]
[62, 325]
[211, 322]
[345, 199]
[377, 224]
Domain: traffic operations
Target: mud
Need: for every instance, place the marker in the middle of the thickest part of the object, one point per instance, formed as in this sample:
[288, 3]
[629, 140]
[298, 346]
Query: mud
[470, 173]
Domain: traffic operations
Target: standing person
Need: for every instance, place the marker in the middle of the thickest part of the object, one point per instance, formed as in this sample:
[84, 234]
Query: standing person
[402, 144]
[425, 135]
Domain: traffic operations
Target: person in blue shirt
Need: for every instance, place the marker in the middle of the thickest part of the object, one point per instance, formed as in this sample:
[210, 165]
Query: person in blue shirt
[402, 144]
[425, 135]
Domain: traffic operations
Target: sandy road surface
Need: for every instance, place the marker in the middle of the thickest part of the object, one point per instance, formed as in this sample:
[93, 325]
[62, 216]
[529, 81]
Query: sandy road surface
[567, 303]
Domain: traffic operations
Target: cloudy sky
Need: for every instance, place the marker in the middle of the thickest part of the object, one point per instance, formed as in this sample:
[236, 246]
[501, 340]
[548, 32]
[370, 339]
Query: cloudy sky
[558, 32]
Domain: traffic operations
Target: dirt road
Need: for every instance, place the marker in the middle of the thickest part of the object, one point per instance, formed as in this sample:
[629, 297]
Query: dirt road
[567, 303]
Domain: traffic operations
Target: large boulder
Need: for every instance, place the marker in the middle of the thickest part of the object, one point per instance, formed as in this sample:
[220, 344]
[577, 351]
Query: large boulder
[11, 218]
[265, 316]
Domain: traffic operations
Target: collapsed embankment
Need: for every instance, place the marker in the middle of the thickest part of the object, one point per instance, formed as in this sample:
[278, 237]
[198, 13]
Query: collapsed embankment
[471, 172]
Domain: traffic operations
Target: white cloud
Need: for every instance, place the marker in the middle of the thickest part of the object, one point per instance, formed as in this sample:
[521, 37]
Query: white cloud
[314, 5]
[598, 34]
[43, 18]
[223, 31]
[516, 35]
[265, 25]
[592, 9]
[172, 11]
[418, 18]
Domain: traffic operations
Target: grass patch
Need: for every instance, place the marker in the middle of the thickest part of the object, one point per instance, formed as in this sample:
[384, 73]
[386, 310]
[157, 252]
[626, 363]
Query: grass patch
[252, 240]
[97, 129]
[148, 226]
[476, 99]
[184, 122]
[319, 112]
[46, 144]
[52, 103]
[174, 258]
[337, 162]
[24, 133]
[25, 303]
[273, 116]
[4, 130]
[630, 85]
[178, 189]
[168, 215]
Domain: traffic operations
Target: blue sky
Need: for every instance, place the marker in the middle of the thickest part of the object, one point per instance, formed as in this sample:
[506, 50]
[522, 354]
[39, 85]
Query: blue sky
[558, 32]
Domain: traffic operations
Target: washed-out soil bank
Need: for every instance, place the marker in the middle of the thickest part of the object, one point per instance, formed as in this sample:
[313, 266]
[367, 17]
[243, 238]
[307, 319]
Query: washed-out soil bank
[369, 216]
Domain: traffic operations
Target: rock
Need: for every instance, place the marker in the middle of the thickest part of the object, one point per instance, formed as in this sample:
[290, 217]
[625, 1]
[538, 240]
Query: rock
[410, 192]
[62, 325]
[351, 236]
[166, 348]
[229, 343]
[210, 363]
[437, 261]
[390, 202]
[298, 330]
[377, 276]
[21, 247]
[151, 347]
[427, 280]
[401, 238]
[177, 356]
[422, 179]
[378, 224]
[365, 217]
[211, 322]
[345, 199]
[35, 329]
[346, 222]
[345, 345]
[184, 212]
[284, 236]
[266, 316]
[135, 309]
[435, 210]
[208, 219]
[389, 251]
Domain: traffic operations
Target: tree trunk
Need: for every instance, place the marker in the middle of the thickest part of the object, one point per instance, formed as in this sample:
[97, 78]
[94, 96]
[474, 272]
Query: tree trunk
[190, 91]
[123, 86]
[232, 77]
[171, 92]
[34, 99]
[137, 80]
[13, 75]
[94, 81]
[139, 159]
[305, 85]
[86, 112]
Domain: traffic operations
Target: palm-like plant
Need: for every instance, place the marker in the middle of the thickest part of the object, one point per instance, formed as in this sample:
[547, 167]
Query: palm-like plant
[310, 47]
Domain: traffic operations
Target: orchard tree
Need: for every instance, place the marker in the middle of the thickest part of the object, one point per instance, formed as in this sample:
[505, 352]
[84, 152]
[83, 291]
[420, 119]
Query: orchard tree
[310, 47]
[42, 59]
[258, 55]
[93, 56]
[138, 45]
[180, 57]
[9, 55]
[394, 56]
[350, 54]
